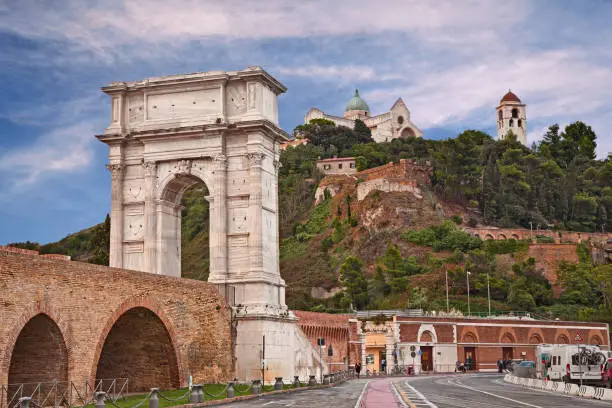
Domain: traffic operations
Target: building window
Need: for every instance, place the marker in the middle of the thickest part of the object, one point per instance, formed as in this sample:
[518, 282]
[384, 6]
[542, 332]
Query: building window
[500, 115]
[520, 123]
[400, 119]
[515, 113]
[352, 165]
[511, 122]
[339, 165]
[326, 167]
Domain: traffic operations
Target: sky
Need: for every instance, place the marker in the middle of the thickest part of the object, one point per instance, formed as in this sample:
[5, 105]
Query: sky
[451, 61]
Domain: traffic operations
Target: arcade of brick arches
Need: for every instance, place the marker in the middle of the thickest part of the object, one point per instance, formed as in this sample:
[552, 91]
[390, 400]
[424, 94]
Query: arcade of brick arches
[73, 322]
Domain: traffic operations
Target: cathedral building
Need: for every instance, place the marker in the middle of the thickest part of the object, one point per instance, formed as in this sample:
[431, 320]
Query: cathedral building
[385, 127]
[511, 116]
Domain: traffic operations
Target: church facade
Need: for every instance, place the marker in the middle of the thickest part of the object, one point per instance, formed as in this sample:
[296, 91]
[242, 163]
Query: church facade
[385, 127]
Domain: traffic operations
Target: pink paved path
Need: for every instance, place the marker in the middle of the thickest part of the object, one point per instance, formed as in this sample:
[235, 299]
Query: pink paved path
[379, 394]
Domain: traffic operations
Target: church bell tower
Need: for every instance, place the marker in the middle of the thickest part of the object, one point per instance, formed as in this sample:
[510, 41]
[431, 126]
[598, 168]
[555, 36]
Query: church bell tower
[511, 116]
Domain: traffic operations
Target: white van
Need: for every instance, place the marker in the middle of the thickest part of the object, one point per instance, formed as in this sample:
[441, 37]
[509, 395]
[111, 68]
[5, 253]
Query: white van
[570, 363]
[543, 360]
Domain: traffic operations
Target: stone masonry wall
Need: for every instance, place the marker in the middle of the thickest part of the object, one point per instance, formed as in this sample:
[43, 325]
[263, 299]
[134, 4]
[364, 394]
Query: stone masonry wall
[182, 323]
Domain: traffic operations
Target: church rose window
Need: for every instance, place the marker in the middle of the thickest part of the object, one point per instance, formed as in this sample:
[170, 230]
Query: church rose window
[400, 119]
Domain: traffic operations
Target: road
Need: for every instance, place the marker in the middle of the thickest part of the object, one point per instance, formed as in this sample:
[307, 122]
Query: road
[483, 390]
[341, 396]
[442, 391]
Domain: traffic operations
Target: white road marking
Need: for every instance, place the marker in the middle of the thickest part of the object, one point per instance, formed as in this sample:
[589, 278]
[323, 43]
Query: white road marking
[420, 396]
[398, 396]
[358, 403]
[459, 384]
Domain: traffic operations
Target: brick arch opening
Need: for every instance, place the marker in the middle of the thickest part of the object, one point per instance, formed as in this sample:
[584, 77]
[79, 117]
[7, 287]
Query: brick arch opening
[595, 340]
[507, 338]
[40, 355]
[501, 236]
[515, 236]
[536, 338]
[562, 339]
[427, 337]
[470, 337]
[488, 236]
[407, 133]
[139, 347]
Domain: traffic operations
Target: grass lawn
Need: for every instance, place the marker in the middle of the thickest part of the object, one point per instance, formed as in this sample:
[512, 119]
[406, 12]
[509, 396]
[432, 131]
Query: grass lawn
[216, 391]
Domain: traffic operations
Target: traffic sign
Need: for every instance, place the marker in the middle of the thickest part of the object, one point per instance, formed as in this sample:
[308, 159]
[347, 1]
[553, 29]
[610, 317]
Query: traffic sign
[579, 338]
[420, 352]
[412, 354]
[412, 348]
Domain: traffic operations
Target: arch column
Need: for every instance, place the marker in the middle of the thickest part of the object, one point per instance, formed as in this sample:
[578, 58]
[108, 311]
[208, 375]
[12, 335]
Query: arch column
[150, 216]
[255, 212]
[218, 229]
[116, 228]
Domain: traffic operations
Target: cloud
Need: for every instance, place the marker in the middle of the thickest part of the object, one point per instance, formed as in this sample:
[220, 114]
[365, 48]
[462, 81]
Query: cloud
[340, 74]
[63, 150]
[102, 27]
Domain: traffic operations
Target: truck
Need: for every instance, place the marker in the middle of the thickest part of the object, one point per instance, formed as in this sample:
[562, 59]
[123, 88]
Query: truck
[577, 364]
[543, 360]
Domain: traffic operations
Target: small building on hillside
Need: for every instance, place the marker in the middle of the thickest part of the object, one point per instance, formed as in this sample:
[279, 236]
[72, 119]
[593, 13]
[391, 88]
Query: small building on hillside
[337, 166]
[384, 127]
[293, 143]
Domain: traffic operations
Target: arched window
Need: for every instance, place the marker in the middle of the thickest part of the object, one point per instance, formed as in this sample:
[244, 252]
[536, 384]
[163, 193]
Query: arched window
[511, 122]
[400, 119]
[520, 123]
[515, 113]
[500, 115]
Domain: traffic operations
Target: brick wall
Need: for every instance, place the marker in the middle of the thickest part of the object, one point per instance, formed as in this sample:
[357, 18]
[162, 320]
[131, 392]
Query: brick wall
[336, 330]
[181, 325]
[525, 234]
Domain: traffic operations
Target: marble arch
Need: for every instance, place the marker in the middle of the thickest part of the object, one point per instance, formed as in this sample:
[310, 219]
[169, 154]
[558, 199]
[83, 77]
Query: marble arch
[169, 132]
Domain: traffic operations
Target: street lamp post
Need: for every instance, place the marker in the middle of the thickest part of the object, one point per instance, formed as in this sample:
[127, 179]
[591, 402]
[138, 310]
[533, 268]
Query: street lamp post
[447, 304]
[489, 293]
[467, 277]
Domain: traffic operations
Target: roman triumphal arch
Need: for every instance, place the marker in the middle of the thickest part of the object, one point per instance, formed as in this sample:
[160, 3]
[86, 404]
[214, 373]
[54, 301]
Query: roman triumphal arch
[167, 133]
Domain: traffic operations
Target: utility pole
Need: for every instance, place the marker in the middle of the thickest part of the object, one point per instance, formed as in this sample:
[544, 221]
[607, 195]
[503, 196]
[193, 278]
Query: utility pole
[467, 277]
[447, 304]
[531, 230]
[489, 293]
[263, 361]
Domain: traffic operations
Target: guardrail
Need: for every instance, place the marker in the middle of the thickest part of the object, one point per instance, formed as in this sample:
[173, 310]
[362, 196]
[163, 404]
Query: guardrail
[585, 391]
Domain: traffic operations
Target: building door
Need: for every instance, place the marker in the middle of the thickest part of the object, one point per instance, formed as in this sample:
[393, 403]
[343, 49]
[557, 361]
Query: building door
[382, 360]
[507, 353]
[470, 358]
[427, 358]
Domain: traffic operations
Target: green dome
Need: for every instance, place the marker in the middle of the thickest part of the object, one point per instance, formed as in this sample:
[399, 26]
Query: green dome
[356, 103]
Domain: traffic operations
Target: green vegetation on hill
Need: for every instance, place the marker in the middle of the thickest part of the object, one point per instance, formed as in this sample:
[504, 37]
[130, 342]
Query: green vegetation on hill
[334, 245]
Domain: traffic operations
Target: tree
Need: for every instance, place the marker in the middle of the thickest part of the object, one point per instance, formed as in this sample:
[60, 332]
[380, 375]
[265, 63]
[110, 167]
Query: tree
[100, 242]
[364, 134]
[354, 282]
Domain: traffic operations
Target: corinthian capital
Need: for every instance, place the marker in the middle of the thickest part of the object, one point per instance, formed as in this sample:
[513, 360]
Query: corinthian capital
[255, 158]
[150, 167]
[116, 170]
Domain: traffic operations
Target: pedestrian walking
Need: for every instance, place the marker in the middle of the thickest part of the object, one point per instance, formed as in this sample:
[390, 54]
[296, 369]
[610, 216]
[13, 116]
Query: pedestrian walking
[358, 369]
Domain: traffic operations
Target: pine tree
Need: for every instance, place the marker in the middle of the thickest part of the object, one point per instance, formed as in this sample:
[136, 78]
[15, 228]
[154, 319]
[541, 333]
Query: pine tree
[364, 134]
[354, 281]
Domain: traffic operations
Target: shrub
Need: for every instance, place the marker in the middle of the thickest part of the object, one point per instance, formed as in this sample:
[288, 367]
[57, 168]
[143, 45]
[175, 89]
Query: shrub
[472, 222]
[456, 219]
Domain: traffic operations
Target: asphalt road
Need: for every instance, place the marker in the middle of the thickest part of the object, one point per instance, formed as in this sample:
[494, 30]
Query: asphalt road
[484, 390]
[341, 396]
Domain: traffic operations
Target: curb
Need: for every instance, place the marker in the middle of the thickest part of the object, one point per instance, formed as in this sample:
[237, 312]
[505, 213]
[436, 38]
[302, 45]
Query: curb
[585, 391]
[225, 401]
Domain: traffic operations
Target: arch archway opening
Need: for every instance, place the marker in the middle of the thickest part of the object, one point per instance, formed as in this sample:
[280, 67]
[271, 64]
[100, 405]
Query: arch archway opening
[536, 339]
[138, 347]
[562, 339]
[507, 338]
[185, 219]
[427, 337]
[407, 133]
[40, 356]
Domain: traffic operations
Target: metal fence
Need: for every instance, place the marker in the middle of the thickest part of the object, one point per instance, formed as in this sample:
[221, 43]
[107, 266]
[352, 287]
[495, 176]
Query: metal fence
[62, 393]
[108, 392]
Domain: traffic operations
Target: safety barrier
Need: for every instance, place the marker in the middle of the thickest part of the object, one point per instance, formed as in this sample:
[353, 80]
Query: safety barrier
[585, 391]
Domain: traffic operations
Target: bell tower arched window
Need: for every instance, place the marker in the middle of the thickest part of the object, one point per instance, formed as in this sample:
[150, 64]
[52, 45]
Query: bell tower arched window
[520, 123]
[515, 113]
[500, 115]
[511, 122]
